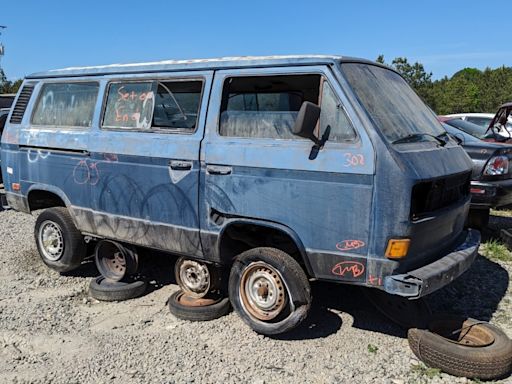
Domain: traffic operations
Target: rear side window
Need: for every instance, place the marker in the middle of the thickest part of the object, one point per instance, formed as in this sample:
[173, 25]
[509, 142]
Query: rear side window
[153, 105]
[66, 104]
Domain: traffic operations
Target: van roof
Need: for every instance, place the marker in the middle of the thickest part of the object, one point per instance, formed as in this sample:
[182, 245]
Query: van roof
[195, 64]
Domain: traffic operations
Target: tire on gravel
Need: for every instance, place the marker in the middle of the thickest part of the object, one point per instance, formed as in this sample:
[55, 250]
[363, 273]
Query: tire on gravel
[463, 347]
[219, 308]
[74, 248]
[296, 287]
[104, 290]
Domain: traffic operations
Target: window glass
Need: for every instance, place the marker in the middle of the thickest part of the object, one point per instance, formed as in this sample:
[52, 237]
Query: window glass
[265, 106]
[332, 114]
[177, 104]
[396, 110]
[130, 105]
[66, 104]
[152, 105]
[482, 121]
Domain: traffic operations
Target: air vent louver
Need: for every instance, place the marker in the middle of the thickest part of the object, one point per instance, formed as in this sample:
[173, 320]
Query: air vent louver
[21, 104]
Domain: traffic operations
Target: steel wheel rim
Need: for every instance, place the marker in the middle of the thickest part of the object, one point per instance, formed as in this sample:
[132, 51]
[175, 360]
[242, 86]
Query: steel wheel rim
[111, 261]
[193, 278]
[263, 293]
[51, 240]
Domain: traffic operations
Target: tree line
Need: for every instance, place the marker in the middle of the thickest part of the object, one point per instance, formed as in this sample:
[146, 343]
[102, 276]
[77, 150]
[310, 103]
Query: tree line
[469, 90]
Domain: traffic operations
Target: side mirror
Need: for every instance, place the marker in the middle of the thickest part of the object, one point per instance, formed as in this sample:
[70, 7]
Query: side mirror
[308, 116]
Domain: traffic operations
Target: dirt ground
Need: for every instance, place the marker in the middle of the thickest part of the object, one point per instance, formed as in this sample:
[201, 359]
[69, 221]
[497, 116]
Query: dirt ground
[51, 331]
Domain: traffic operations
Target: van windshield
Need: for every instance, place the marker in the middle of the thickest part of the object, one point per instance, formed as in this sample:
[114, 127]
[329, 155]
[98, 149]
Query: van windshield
[393, 106]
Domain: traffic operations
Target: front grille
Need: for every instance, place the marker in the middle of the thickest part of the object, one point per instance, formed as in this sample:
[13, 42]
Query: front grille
[429, 196]
[21, 104]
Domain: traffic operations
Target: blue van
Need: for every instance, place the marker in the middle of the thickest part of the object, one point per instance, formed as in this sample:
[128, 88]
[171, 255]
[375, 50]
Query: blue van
[276, 169]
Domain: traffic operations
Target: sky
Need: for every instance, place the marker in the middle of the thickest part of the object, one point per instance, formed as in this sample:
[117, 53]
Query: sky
[445, 36]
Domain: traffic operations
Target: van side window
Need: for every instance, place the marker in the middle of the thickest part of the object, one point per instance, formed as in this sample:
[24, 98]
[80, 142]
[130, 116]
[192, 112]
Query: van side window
[129, 105]
[265, 106]
[66, 104]
[333, 114]
[153, 105]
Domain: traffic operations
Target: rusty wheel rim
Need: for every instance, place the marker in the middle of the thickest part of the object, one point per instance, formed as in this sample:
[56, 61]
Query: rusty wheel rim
[194, 278]
[111, 261]
[262, 291]
[189, 301]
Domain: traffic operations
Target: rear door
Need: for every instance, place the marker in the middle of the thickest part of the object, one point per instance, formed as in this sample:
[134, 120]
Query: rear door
[144, 169]
[255, 168]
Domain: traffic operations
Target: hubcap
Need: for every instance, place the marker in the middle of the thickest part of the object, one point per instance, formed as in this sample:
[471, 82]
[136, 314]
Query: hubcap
[262, 291]
[193, 277]
[51, 240]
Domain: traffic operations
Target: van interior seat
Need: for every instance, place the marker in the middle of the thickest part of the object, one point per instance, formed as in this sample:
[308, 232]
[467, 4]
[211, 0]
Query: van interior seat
[258, 124]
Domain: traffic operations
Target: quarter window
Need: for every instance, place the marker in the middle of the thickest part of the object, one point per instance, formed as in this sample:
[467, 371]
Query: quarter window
[333, 114]
[153, 105]
[66, 104]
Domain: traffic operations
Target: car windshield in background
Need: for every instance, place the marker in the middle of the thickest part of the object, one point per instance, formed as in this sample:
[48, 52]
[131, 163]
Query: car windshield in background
[466, 126]
[393, 106]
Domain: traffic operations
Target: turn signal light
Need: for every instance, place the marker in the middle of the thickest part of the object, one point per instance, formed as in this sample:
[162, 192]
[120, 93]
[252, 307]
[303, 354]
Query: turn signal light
[397, 248]
[16, 186]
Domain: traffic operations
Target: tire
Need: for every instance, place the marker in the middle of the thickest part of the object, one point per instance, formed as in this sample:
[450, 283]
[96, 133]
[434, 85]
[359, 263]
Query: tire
[104, 290]
[478, 218]
[213, 311]
[295, 288]
[73, 249]
[490, 357]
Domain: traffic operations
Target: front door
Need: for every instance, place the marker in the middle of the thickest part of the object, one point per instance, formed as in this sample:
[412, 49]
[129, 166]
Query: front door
[255, 168]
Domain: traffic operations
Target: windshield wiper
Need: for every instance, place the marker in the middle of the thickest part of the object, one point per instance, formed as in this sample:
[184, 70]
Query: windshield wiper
[418, 136]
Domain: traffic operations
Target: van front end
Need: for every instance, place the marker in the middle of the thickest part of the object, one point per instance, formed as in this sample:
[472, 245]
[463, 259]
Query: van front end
[421, 189]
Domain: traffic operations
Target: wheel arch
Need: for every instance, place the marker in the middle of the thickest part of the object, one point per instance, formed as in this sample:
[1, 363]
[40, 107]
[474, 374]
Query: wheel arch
[227, 252]
[41, 196]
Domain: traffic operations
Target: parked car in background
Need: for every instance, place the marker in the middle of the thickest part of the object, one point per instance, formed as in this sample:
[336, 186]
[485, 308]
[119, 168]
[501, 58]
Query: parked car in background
[6, 100]
[491, 178]
[481, 119]
[482, 133]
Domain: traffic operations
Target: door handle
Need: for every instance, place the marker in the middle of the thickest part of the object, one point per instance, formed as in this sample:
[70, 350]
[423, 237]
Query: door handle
[218, 170]
[180, 165]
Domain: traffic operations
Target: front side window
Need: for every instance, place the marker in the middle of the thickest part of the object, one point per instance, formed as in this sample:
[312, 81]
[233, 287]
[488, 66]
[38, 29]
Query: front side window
[153, 105]
[265, 106]
[66, 104]
[390, 102]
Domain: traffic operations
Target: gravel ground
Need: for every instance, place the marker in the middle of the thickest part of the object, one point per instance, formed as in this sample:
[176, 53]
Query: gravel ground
[52, 332]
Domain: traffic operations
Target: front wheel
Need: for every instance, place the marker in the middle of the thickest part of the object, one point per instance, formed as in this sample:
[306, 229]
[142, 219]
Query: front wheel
[60, 244]
[269, 290]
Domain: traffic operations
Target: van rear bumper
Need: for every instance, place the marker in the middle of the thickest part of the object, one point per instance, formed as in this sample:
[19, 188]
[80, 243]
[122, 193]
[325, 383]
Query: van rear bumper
[431, 277]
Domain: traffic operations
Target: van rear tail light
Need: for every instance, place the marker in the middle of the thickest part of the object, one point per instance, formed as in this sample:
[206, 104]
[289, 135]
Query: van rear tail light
[397, 248]
[497, 165]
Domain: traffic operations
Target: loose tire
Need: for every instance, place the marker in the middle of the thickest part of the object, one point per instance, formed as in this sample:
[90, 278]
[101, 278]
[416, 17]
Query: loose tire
[463, 347]
[104, 290]
[60, 244]
[184, 308]
[269, 290]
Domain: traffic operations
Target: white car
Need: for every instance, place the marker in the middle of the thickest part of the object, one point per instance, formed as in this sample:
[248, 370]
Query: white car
[482, 119]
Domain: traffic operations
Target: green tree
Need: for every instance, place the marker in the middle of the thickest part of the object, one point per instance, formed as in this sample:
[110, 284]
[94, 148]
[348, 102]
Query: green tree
[7, 86]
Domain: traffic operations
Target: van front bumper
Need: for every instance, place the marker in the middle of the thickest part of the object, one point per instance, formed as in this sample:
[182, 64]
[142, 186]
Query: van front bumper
[431, 277]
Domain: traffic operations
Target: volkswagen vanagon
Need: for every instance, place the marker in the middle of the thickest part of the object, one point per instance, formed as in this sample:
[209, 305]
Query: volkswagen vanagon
[278, 169]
